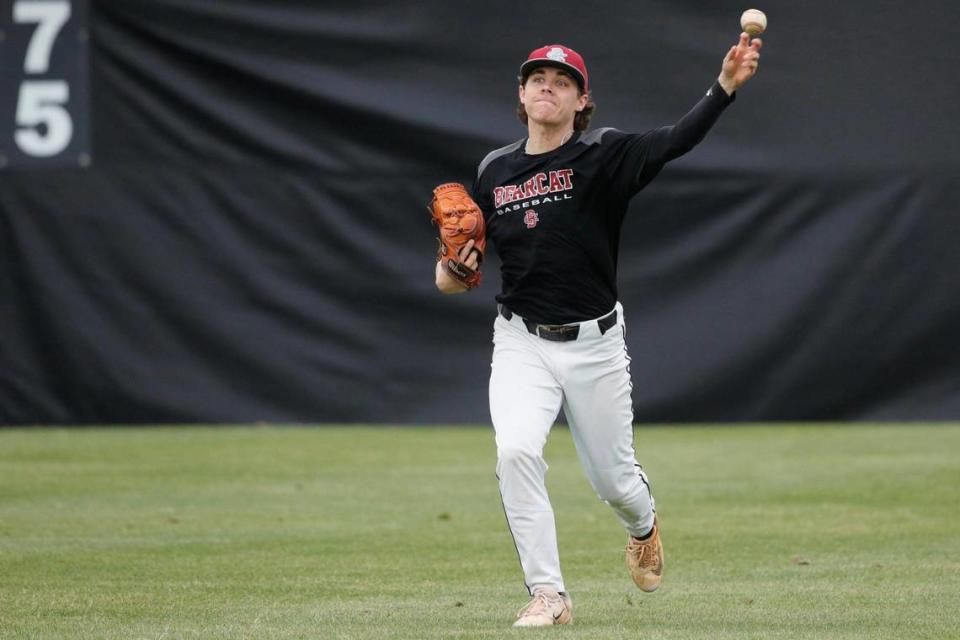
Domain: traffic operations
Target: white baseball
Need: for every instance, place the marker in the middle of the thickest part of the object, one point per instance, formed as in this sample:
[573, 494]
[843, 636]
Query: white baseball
[753, 21]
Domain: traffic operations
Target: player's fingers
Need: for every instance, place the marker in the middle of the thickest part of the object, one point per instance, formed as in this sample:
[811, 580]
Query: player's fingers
[744, 40]
[465, 251]
[756, 43]
[473, 261]
[467, 254]
[730, 54]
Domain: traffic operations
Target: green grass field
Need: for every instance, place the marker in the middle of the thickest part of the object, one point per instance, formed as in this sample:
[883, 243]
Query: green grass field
[818, 531]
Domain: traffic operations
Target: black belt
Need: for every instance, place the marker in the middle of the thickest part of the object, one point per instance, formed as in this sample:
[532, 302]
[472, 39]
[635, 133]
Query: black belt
[561, 332]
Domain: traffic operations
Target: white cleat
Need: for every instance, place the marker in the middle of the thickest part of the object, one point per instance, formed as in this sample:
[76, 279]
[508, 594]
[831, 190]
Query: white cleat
[546, 609]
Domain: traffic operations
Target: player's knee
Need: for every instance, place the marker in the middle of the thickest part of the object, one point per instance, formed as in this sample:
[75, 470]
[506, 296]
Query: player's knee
[512, 456]
[616, 491]
[611, 496]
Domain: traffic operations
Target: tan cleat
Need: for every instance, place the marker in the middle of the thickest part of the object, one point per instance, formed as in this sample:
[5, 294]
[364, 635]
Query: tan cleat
[645, 560]
[547, 608]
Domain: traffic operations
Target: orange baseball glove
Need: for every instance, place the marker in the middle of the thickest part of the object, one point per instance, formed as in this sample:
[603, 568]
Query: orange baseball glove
[459, 220]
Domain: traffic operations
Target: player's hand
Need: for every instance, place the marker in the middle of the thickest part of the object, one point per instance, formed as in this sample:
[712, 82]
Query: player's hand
[445, 282]
[740, 63]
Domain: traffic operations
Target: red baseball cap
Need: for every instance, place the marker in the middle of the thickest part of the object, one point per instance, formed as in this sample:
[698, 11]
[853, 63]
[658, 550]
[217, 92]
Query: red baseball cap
[559, 56]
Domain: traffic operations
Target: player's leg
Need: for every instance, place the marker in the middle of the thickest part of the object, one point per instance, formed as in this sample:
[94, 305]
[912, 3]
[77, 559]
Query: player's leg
[598, 406]
[524, 402]
[599, 409]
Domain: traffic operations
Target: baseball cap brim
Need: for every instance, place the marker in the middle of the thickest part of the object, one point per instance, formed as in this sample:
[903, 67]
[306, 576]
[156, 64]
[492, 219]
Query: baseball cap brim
[530, 66]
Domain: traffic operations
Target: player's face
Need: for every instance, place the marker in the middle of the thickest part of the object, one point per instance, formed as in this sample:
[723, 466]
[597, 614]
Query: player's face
[551, 97]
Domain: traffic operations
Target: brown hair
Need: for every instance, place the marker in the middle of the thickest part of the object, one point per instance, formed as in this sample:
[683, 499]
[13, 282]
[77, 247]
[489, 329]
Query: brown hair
[580, 121]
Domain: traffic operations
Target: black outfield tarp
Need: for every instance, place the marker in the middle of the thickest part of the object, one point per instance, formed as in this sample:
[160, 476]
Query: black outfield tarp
[241, 232]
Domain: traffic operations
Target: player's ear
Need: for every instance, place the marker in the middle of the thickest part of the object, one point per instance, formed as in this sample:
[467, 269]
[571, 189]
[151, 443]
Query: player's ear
[582, 101]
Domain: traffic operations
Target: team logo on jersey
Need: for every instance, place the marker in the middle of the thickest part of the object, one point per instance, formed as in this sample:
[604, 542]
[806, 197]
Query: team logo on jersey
[531, 219]
[540, 184]
[557, 54]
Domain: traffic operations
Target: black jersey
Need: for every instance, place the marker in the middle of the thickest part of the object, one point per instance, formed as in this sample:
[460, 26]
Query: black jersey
[555, 218]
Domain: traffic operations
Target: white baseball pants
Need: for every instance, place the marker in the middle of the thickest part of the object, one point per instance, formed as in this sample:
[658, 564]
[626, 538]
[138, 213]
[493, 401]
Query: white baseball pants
[589, 377]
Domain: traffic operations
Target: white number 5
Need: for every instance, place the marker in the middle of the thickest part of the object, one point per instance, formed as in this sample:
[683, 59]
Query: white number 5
[41, 102]
[50, 16]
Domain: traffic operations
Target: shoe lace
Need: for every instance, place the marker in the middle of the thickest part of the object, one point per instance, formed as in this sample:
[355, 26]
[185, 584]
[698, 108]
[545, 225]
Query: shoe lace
[643, 551]
[538, 606]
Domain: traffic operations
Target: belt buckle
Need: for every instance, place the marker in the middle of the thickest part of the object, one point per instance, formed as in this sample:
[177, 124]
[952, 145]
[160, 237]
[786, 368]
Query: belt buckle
[558, 332]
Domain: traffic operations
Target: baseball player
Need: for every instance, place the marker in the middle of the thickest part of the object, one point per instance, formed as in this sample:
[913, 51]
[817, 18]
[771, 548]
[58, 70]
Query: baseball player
[553, 204]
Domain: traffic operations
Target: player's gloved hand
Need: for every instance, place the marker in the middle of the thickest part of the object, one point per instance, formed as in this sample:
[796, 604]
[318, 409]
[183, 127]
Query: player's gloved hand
[462, 233]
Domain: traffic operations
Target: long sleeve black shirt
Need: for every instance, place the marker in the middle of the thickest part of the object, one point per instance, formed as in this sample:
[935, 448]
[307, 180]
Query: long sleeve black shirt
[555, 218]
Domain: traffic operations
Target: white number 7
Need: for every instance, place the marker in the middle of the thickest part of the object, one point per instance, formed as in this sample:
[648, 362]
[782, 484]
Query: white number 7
[50, 16]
